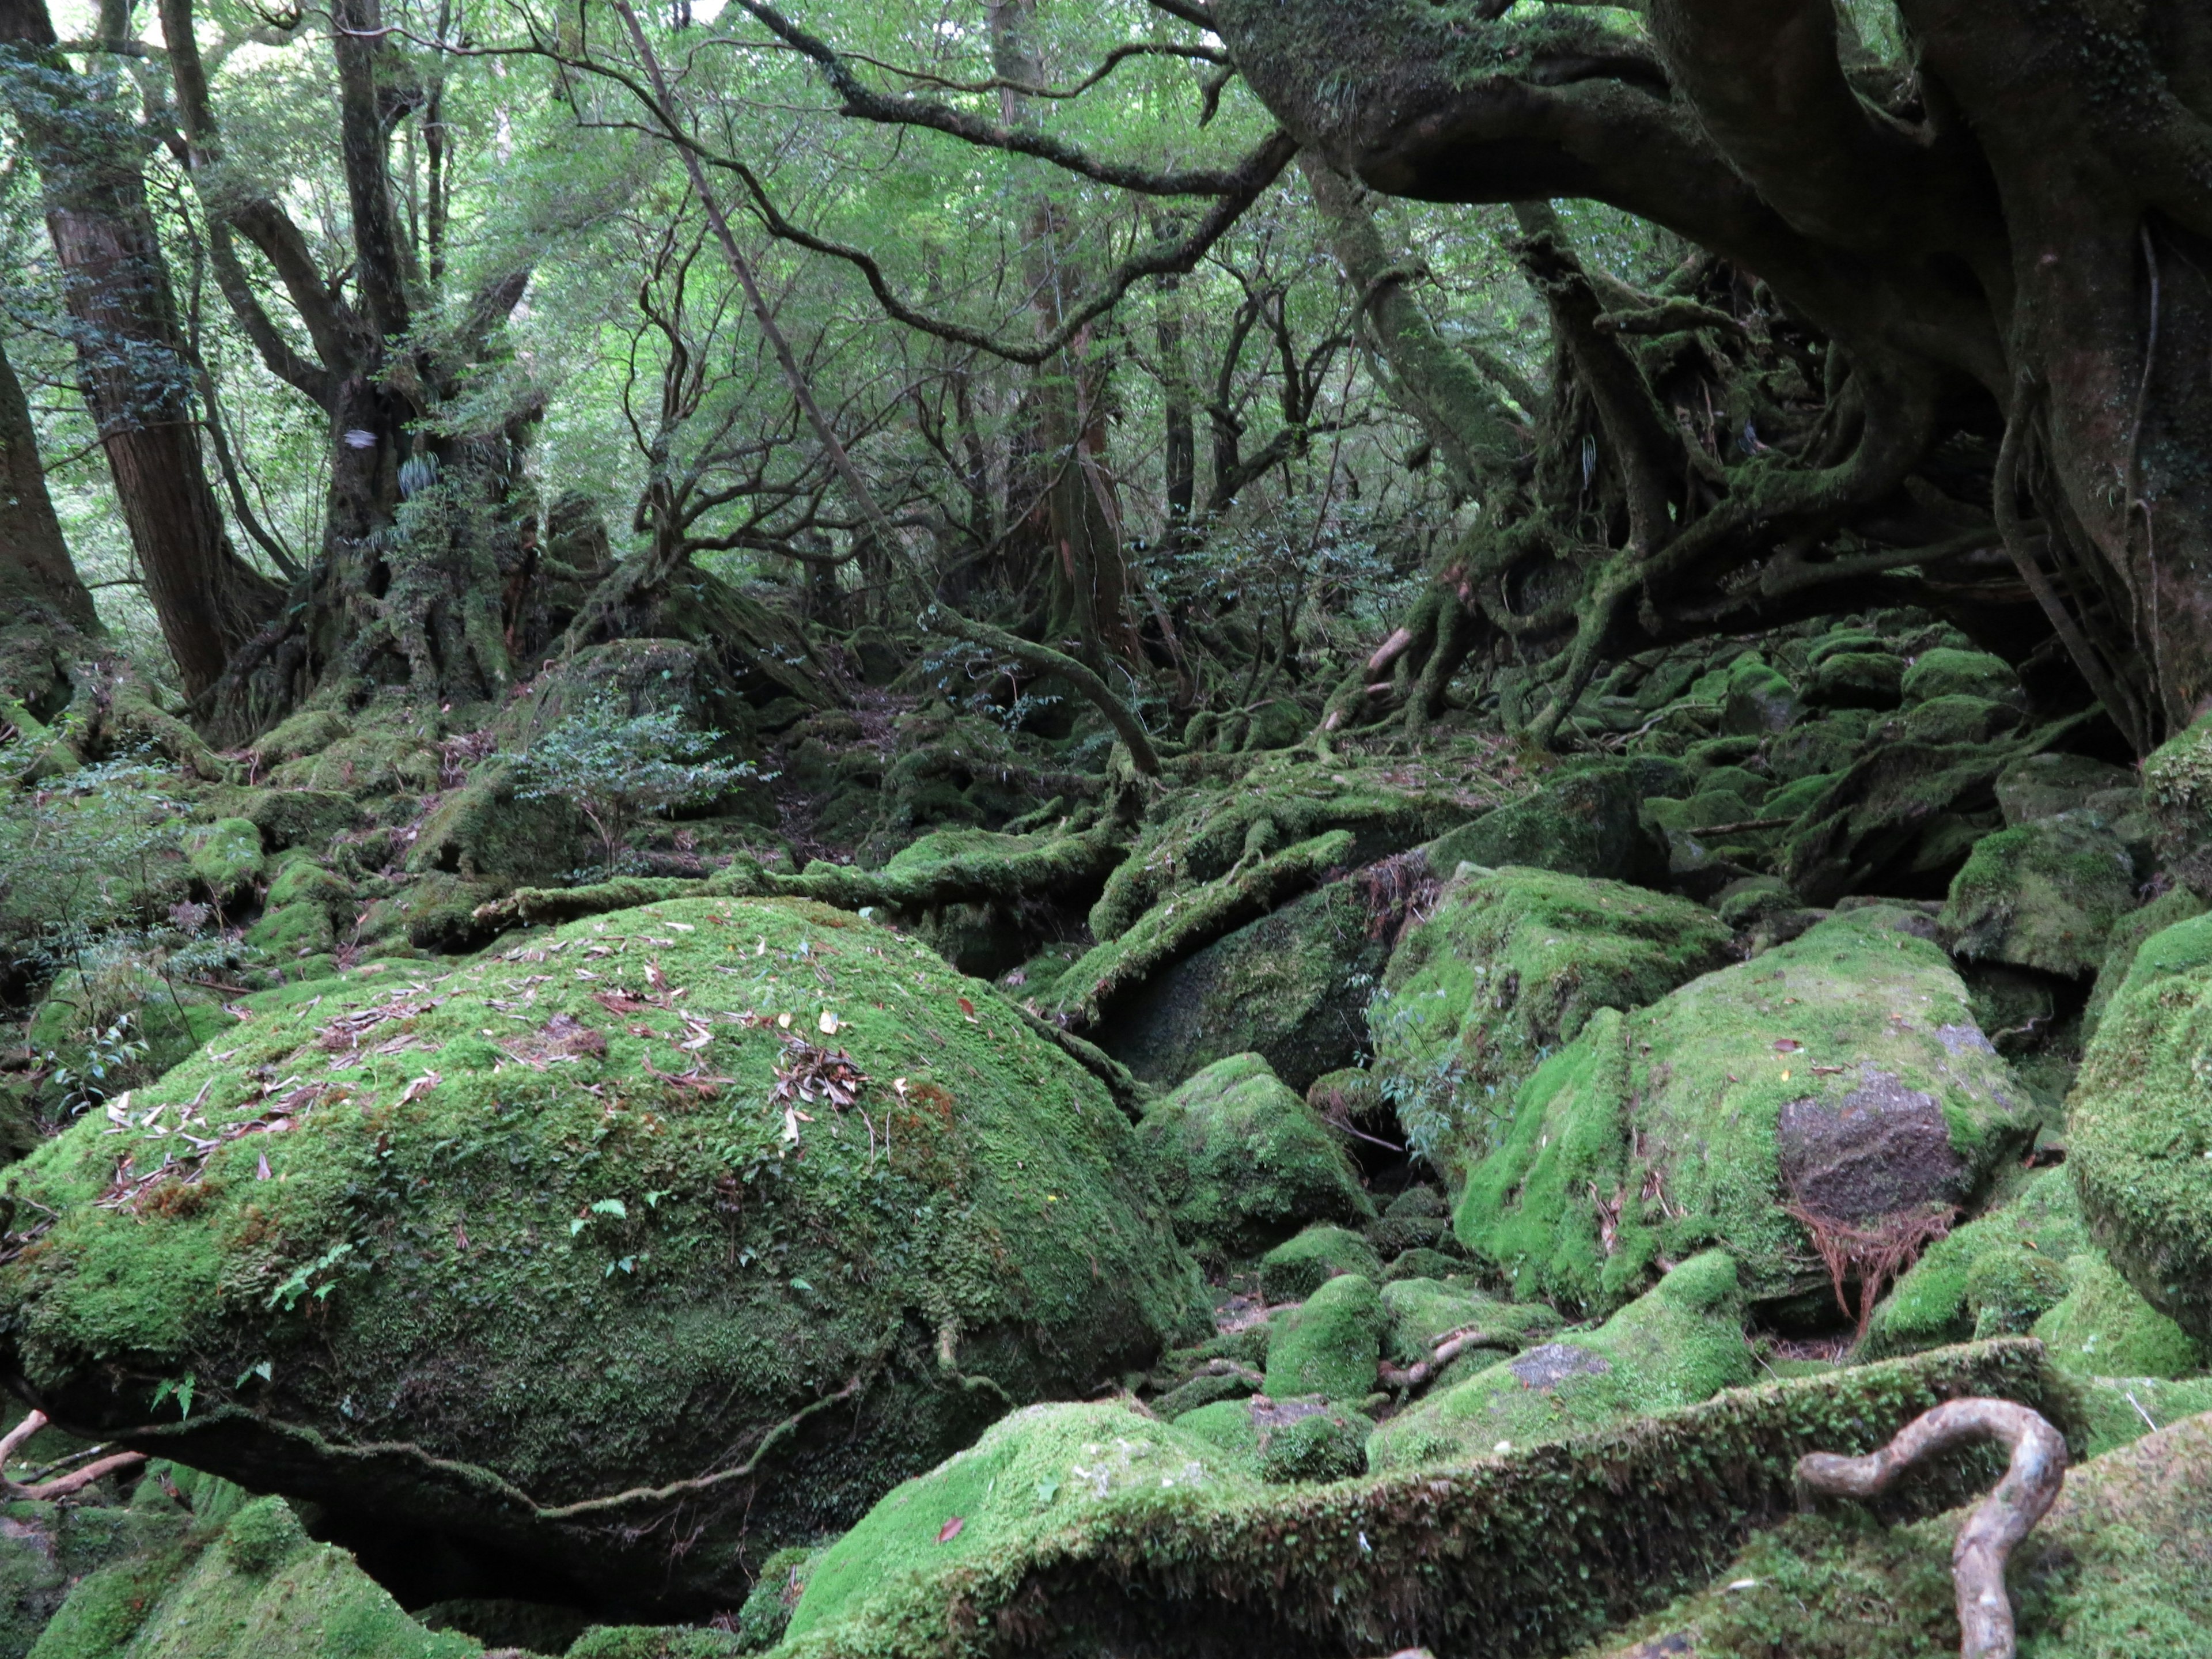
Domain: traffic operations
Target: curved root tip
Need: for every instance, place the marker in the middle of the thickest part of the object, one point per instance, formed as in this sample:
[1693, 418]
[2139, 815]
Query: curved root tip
[1998, 1523]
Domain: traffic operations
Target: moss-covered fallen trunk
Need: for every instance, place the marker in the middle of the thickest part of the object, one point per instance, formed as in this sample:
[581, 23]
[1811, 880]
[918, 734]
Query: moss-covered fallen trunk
[1529, 1554]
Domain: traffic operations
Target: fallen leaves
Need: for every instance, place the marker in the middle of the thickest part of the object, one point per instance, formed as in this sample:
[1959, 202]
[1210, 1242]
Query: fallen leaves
[950, 1529]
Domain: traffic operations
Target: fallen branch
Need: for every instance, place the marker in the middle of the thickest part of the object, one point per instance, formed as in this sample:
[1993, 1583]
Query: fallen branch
[63, 1486]
[1448, 1347]
[1998, 1523]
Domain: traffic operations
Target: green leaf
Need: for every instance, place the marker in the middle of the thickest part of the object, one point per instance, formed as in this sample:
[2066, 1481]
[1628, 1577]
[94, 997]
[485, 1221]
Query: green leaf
[613, 1207]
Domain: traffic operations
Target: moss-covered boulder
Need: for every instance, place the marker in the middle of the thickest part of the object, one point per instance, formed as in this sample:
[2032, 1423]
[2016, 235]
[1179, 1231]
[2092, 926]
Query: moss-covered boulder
[1043, 1469]
[47, 1548]
[1244, 1163]
[2139, 1128]
[2044, 896]
[2044, 786]
[1330, 1344]
[1840, 1077]
[1856, 679]
[1903, 812]
[1979, 1272]
[1299, 1266]
[1945, 672]
[2102, 1327]
[2132, 932]
[1293, 986]
[1758, 698]
[466, 1250]
[1583, 822]
[225, 857]
[1424, 1312]
[1283, 1441]
[1680, 1343]
[486, 831]
[1507, 966]
[2178, 795]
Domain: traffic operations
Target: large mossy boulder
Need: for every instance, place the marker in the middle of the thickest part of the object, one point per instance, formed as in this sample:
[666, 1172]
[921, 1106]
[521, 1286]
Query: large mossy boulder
[2139, 1127]
[2178, 795]
[1507, 966]
[1975, 1281]
[1293, 986]
[2046, 894]
[1584, 821]
[1840, 1077]
[749, 1199]
[1330, 1344]
[1945, 672]
[1680, 1343]
[1043, 1471]
[2102, 1327]
[1244, 1163]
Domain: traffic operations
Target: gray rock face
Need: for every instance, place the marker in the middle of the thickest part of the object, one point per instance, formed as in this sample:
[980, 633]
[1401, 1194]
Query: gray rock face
[1554, 1363]
[1880, 1150]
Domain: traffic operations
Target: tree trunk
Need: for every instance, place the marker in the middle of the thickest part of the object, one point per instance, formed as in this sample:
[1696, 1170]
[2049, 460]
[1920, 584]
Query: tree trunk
[133, 362]
[36, 575]
[1086, 581]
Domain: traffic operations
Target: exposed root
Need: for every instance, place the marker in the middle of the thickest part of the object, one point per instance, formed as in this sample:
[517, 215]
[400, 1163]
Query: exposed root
[1874, 1254]
[1448, 1347]
[62, 1485]
[1998, 1523]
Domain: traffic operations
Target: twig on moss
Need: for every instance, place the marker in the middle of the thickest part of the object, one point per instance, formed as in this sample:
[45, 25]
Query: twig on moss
[1998, 1523]
[1448, 1347]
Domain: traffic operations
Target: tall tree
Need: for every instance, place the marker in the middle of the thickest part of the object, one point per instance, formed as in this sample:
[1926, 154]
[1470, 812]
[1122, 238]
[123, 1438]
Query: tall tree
[1955, 308]
[36, 576]
[414, 600]
[133, 360]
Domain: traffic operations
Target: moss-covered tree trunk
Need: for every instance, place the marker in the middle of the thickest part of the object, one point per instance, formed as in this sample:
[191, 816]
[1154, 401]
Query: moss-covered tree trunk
[1953, 309]
[36, 575]
[133, 360]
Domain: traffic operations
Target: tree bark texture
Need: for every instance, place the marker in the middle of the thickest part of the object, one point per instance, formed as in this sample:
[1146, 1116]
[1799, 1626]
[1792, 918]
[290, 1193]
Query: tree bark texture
[133, 362]
[2006, 239]
[35, 572]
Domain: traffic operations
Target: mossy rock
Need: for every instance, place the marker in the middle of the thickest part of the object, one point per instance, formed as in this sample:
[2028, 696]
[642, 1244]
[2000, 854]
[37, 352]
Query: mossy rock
[297, 878]
[2140, 1127]
[1759, 699]
[519, 1261]
[2179, 949]
[1043, 1469]
[485, 831]
[2177, 782]
[47, 1547]
[1330, 1344]
[225, 857]
[1950, 673]
[302, 929]
[506, 1622]
[2102, 1327]
[1424, 1311]
[1818, 747]
[1841, 1074]
[255, 1587]
[2105, 1574]
[776, 1589]
[1244, 1163]
[293, 817]
[658, 1642]
[2044, 786]
[1293, 986]
[1867, 825]
[1743, 904]
[2044, 896]
[1942, 1296]
[308, 731]
[1284, 1441]
[1680, 1343]
[1582, 822]
[390, 748]
[1299, 1266]
[1955, 718]
[169, 1014]
[1507, 967]
[1849, 678]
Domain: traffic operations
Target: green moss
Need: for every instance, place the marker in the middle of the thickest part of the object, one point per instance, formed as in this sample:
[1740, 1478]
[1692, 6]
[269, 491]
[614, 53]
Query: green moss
[2130, 932]
[1037, 1471]
[47, 1548]
[2104, 1576]
[1841, 1071]
[2178, 795]
[1680, 1343]
[1299, 1266]
[1945, 673]
[1759, 699]
[1242, 1162]
[2009, 1288]
[293, 930]
[2140, 1128]
[1507, 966]
[225, 856]
[782, 1578]
[483, 831]
[657, 1642]
[531, 1273]
[2104, 1328]
[1424, 1311]
[1956, 719]
[297, 879]
[1330, 1344]
[2044, 896]
[1932, 1303]
[1845, 677]
[2044, 786]
[1284, 1441]
[290, 817]
[1582, 822]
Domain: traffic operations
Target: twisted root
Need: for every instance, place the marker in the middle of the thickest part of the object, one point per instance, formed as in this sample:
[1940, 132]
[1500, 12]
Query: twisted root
[1998, 1523]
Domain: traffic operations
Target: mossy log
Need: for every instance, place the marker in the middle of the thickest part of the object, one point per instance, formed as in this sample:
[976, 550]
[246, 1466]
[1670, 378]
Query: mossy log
[1170, 930]
[1524, 1554]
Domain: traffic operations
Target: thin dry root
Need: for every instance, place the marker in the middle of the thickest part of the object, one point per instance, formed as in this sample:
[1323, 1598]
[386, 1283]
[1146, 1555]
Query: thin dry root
[1999, 1522]
[60, 1485]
